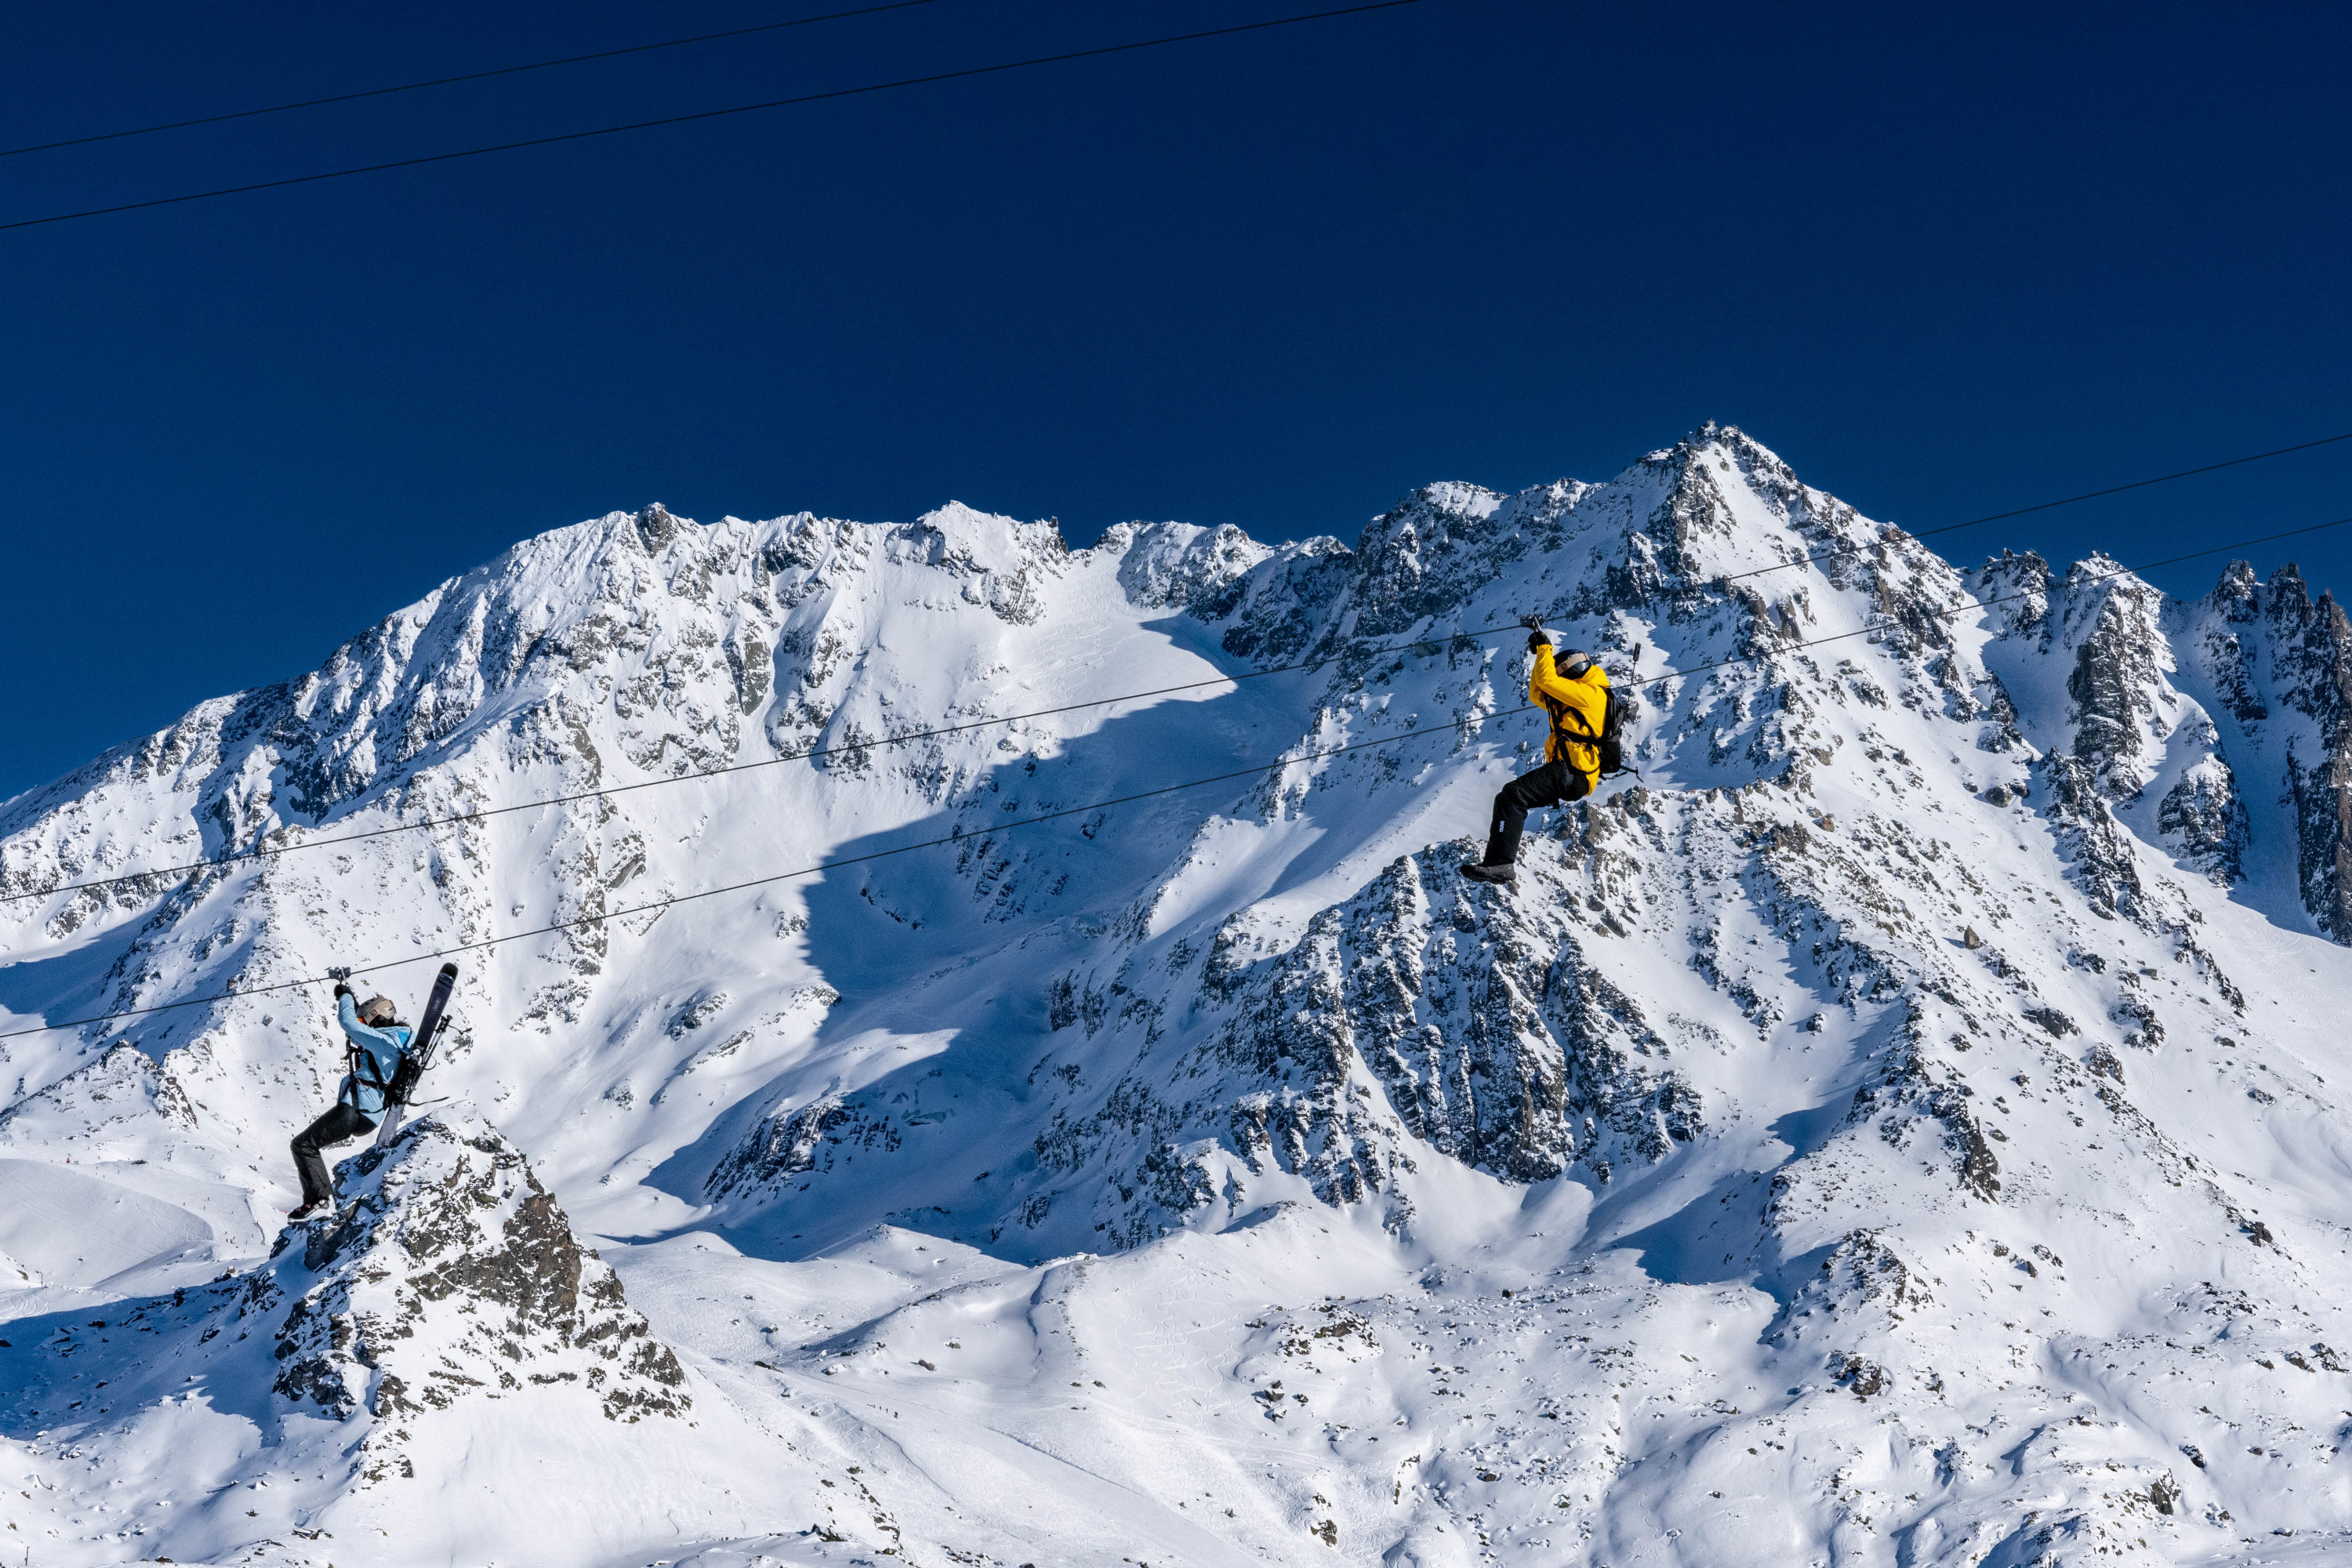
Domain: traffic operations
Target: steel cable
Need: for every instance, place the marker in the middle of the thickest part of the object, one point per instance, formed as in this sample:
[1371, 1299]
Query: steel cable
[263, 852]
[960, 836]
[468, 76]
[2047, 505]
[964, 74]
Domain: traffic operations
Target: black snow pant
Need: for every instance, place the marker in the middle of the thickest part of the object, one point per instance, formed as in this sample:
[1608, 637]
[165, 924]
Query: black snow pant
[340, 1124]
[1554, 783]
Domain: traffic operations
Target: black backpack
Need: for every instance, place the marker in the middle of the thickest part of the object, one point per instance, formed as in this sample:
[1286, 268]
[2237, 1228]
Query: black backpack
[1612, 741]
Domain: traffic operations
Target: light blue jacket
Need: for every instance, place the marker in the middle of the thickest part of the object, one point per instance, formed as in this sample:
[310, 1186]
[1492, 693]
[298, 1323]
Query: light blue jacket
[381, 1049]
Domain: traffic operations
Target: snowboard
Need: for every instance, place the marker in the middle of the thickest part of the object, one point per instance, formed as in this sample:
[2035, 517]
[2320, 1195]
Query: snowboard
[418, 1057]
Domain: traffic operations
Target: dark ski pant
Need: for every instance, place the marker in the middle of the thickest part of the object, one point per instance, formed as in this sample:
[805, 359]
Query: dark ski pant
[1554, 783]
[340, 1124]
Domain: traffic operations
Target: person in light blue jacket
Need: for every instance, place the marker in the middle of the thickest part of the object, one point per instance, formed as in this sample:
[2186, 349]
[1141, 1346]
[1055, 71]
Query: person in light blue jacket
[378, 1040]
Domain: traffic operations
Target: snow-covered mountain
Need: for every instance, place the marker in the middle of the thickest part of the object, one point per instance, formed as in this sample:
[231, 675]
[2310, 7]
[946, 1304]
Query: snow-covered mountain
[1212, 1176]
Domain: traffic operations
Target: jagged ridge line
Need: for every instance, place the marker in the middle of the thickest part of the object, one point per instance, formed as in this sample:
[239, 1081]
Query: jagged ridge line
[1985, 604]
[468, 76]
[960, 836]
[707, 114]
[268, 851]
[2047, 505]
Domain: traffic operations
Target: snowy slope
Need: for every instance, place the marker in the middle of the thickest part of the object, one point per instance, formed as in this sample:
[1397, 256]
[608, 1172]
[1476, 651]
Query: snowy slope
[1896, 1128]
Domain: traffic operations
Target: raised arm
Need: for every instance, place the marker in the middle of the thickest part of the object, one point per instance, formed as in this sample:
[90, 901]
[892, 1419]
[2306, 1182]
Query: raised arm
[1577, 691]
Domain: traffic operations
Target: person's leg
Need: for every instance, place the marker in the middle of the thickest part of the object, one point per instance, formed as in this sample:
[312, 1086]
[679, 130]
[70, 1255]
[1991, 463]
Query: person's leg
[1509, 820]
[1546, 785]
[308, 1164]
[340, 1123]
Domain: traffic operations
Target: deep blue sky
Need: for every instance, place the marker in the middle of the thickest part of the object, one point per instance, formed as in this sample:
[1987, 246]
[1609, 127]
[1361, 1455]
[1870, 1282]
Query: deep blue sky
[1945, 261]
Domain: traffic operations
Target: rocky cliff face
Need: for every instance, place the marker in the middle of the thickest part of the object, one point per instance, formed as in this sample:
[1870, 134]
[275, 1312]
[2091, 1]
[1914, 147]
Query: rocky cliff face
[2277, 664]
[448, 1307]
[451, 1265]
[451, 1275]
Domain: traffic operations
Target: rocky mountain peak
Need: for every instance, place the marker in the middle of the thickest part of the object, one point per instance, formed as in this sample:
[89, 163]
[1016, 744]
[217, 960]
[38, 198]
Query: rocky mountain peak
[452, 1280]
[985, 541]
[962, 1055]
[451, 1274]
[2237, 588]
[1172, 565]
[2288, 592]
[656, 528]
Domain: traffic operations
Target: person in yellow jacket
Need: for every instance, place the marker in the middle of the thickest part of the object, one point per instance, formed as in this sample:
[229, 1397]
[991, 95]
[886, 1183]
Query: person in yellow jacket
[1574, 690]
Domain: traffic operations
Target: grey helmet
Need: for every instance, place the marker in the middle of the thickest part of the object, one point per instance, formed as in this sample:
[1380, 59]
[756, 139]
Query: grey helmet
[1572, 663]
[379, 1011]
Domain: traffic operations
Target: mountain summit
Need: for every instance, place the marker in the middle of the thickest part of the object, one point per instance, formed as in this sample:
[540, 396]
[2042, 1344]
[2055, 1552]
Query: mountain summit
[1011, 1020]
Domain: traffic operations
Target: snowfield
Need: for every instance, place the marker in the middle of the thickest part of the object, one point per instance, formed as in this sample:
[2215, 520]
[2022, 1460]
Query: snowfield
[1902, 1126]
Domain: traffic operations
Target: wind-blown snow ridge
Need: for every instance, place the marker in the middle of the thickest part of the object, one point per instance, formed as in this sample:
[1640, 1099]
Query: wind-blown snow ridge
[1895, 1126]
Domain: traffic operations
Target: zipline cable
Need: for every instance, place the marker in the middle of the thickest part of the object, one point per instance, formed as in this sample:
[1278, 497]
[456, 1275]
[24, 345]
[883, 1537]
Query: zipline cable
[263, 852]
[469, 76]
[2047, 505]
[720, 113]
[908, 737]
[1999, 599]
[960, 836]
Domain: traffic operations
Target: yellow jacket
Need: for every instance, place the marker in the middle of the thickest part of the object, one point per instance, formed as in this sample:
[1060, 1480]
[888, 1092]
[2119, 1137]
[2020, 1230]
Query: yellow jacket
[1578, 709]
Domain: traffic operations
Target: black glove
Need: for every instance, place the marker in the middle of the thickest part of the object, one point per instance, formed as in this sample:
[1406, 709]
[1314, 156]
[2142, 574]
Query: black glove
[342, 991]
[1536, 640]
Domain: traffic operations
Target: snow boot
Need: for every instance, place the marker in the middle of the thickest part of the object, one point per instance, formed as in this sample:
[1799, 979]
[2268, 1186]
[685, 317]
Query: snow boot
[1504, 872]
[315, 1208]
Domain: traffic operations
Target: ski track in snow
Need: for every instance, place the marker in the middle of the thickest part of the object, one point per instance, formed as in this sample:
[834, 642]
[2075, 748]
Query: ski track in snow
[1901, 1127]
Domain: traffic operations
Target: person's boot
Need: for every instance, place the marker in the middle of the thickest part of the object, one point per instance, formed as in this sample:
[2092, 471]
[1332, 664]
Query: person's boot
[311, 1209]
[1504, 872]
